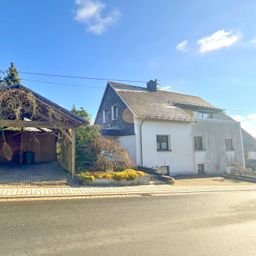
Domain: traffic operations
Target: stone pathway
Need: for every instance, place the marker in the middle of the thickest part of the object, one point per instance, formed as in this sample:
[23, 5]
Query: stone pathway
[51, 192]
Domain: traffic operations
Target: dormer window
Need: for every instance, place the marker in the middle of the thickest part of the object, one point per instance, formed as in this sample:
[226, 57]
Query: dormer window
[114, 112]
[204, 115]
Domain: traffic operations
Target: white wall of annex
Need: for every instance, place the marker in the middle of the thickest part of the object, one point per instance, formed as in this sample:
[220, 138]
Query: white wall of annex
[214, 132]
[129, 143]
[181, 157]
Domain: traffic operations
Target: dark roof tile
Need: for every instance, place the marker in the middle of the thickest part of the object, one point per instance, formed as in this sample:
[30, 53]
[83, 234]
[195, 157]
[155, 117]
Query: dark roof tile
[162, 105]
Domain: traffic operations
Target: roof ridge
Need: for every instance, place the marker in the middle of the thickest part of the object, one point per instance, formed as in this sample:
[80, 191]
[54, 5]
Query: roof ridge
[121, 84]
[145, 89]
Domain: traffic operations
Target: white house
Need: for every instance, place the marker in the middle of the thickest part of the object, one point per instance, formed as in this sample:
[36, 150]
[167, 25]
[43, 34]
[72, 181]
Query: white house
[172, 132]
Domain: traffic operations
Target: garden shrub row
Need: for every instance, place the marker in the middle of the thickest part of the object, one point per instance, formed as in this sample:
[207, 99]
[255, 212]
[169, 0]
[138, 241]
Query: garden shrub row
[128, 174]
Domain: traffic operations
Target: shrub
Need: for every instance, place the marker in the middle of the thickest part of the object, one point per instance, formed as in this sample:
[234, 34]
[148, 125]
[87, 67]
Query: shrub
[128, 174]
[95, 151]
[86, 135]
[86, 177]
[102, 175]
[111, 156]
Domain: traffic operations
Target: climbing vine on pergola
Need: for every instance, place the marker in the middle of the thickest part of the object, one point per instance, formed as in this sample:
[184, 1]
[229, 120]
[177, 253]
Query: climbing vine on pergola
[17, 104]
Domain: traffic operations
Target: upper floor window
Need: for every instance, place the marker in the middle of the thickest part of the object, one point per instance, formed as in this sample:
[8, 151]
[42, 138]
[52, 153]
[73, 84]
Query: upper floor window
[163, 142]
[198, 143]
[105, 115]
[204, 115]
[229, 145]
[114, 112]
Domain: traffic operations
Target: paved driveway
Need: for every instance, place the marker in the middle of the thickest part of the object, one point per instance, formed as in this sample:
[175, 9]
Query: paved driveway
[47, 174]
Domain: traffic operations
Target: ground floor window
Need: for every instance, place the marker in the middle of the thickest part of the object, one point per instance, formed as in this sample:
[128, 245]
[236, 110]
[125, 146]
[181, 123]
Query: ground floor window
[164, 170]
[200, 169]
[163, 142]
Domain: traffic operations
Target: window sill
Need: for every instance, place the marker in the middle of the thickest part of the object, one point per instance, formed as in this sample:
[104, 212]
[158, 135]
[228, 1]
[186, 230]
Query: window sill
[230, 150]
[199, 150]
[163, 150]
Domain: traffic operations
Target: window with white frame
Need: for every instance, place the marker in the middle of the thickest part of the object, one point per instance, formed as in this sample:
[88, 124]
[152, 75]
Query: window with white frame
[198, 143]
[114, 112]
[163, 142]
[229, 145]
[204, 115]
[105, 115]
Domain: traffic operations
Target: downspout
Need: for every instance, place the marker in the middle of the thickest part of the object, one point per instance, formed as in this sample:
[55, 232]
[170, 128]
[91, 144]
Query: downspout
[141, 147]
[242, 146]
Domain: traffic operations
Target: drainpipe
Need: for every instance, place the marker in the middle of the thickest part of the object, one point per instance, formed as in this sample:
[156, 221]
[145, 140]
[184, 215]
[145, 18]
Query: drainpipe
[242, 146]
[141, 147]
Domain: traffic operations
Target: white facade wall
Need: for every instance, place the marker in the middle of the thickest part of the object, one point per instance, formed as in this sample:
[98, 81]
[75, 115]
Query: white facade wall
[181, 157]
[129, 143]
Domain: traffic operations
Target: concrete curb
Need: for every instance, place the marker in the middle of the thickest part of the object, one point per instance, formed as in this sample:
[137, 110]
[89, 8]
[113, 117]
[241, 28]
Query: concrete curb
[241, 178]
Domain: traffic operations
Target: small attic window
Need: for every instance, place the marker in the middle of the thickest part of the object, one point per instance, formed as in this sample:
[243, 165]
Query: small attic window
[114, 112]
[204, 115]
[105, 115]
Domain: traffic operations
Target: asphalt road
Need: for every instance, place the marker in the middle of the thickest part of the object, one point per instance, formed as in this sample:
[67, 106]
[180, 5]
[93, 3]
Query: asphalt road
[205, 224]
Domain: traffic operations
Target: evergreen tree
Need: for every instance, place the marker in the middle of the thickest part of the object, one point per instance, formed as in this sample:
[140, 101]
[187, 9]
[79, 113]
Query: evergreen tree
[12, 77]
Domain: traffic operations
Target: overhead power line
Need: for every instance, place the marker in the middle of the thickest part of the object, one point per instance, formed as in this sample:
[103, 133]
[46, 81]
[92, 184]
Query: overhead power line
[61, 84]
[83, 77]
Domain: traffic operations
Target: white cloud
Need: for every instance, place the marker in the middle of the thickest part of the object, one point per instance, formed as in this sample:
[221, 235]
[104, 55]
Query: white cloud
[248, 122]
[217, 40]
[90, 13]
[182, 46]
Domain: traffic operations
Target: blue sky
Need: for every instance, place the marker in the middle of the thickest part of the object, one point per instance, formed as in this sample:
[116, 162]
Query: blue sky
[204, 48]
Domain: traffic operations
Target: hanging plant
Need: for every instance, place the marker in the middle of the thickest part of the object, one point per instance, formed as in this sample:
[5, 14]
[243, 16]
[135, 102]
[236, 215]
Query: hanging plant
[6, 148]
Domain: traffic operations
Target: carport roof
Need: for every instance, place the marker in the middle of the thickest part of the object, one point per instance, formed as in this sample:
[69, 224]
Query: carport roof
[75, 119]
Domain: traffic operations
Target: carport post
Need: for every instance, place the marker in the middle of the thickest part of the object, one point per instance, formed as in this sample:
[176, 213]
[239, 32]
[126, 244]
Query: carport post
[73, 148]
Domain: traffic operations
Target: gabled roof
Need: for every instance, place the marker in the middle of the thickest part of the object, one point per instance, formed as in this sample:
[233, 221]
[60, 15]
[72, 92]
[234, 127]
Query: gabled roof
[68, 114]
[161, 105]
[249, 141]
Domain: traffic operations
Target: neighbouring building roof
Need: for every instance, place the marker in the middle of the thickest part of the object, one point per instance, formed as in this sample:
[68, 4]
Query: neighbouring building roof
[249, 141]
[162, 105]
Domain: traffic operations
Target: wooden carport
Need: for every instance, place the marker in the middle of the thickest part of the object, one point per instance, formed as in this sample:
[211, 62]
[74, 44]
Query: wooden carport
[22, 108]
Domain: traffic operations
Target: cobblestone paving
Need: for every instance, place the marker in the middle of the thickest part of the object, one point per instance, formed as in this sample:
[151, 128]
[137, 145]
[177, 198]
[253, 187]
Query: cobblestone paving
[97, 191]
[50, 180]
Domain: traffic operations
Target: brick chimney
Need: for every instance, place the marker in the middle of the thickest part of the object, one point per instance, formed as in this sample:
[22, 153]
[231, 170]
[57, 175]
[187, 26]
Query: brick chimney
[152, 85]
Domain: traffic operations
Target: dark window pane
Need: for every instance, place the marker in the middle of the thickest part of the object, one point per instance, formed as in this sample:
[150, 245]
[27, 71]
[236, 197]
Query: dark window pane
[229, 145]
[198, 141]
[162, 142]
